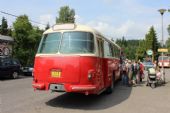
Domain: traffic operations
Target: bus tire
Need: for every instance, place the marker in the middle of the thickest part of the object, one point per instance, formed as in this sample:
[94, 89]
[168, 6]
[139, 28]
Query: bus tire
[110, 89]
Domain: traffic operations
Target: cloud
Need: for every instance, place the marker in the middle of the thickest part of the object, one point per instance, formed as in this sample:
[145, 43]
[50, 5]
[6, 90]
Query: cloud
[129, 29]
[78, 19]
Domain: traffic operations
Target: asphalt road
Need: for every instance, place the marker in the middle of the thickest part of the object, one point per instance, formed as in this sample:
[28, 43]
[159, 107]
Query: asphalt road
[18, 96]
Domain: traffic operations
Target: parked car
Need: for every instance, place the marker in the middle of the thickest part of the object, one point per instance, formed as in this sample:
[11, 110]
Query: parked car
[9, 67]
[148, 64]
[27, 70]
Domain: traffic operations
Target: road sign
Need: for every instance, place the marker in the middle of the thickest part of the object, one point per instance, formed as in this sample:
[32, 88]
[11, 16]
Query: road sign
[149, 52]
[165, 50]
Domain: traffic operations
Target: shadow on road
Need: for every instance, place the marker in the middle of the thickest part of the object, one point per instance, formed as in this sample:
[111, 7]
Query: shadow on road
[91, 102]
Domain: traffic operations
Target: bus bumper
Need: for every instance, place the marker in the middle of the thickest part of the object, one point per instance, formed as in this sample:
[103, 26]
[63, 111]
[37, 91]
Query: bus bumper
[64, 87]
[79, 88]
[86, 89]
[39, 86]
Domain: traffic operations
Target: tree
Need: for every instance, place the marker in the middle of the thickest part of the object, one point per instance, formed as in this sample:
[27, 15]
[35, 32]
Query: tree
[141, 50]
[150, 42]
[168, 29]
[129, 47]
[33, 40]
[9, 32]
[168, 41]
[47, 26]
[26, 38]
[168, 44]
[4, 27]
[66, 15]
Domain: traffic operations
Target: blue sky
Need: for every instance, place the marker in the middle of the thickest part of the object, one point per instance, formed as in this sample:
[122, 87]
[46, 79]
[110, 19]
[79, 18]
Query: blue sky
[114, 18]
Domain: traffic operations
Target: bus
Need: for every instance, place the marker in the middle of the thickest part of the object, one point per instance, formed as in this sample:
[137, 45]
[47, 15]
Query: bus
[164, 61]
[76, 58]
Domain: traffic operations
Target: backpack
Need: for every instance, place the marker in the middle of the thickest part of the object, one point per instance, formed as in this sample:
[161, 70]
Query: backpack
[135, 67]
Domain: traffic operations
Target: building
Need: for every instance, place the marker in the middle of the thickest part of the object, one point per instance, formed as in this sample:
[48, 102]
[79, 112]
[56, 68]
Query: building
[6, 45]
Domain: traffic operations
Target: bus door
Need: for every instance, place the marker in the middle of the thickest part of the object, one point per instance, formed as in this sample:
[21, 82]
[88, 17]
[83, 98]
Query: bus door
[100, 75]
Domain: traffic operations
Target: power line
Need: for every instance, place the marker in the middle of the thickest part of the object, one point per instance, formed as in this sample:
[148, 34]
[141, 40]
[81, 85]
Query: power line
[18, 16]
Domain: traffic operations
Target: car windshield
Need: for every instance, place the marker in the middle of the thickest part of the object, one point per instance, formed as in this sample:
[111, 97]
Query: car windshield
[148, 64]
[163, 58]
[5, 61]
[75, 42]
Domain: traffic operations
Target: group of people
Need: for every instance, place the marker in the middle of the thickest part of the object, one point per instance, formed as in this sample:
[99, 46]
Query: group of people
[132, 72]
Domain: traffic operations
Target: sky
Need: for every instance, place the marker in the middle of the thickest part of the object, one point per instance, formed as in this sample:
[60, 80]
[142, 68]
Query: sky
[113, 18]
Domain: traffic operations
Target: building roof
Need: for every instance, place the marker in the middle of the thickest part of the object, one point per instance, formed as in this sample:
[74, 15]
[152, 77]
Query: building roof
[6, 38]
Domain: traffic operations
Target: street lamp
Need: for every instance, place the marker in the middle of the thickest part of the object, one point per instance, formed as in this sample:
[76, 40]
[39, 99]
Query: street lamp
[162, 11]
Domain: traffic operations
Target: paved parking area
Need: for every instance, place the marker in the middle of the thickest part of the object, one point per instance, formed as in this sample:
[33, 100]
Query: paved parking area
[17, 96]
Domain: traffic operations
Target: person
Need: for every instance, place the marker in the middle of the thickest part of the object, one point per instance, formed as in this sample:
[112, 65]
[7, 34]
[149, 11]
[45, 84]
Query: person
[124, 75]
[122, 59]
[129, 71]
[134, 72]
[158, 73]
[155, 64]
[141, 71]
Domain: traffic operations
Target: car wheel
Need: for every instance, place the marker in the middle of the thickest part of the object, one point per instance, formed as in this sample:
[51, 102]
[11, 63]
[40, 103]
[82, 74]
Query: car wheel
[15, 75]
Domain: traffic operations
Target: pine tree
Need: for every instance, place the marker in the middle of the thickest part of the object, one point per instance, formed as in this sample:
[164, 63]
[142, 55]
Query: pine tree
[153, 41]
[4, 27]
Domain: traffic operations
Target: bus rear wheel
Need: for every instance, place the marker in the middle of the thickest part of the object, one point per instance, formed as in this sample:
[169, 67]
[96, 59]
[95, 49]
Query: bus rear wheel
[110, 89]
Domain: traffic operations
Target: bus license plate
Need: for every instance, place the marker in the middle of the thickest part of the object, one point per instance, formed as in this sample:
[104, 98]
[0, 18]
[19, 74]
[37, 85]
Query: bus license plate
[56, 74]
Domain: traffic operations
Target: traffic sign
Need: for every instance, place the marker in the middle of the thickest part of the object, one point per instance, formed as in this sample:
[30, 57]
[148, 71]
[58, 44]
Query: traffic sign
[149, 52]
[165, 50]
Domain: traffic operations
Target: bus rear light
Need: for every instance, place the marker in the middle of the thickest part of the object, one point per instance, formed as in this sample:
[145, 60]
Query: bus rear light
[39, 86]
[90, 74]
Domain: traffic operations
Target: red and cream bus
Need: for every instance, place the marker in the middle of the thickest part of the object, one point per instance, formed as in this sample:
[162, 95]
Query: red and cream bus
[76, 58]
[164, 61]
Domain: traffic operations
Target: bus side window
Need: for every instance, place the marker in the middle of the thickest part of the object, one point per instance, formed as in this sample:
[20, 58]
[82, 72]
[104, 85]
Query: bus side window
[114, 51]
[107, 52]
[100, 47]
[111, 50]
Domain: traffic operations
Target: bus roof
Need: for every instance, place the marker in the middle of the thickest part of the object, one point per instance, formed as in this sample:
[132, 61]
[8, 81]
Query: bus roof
[70, 27]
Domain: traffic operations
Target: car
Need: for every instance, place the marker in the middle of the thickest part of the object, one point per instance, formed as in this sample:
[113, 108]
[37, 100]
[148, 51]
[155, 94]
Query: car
[148, 64]
[9, 67]
[27, 70]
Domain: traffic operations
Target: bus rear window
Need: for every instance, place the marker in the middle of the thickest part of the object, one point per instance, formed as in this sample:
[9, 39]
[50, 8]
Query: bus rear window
[77, 42]
[50, 43]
